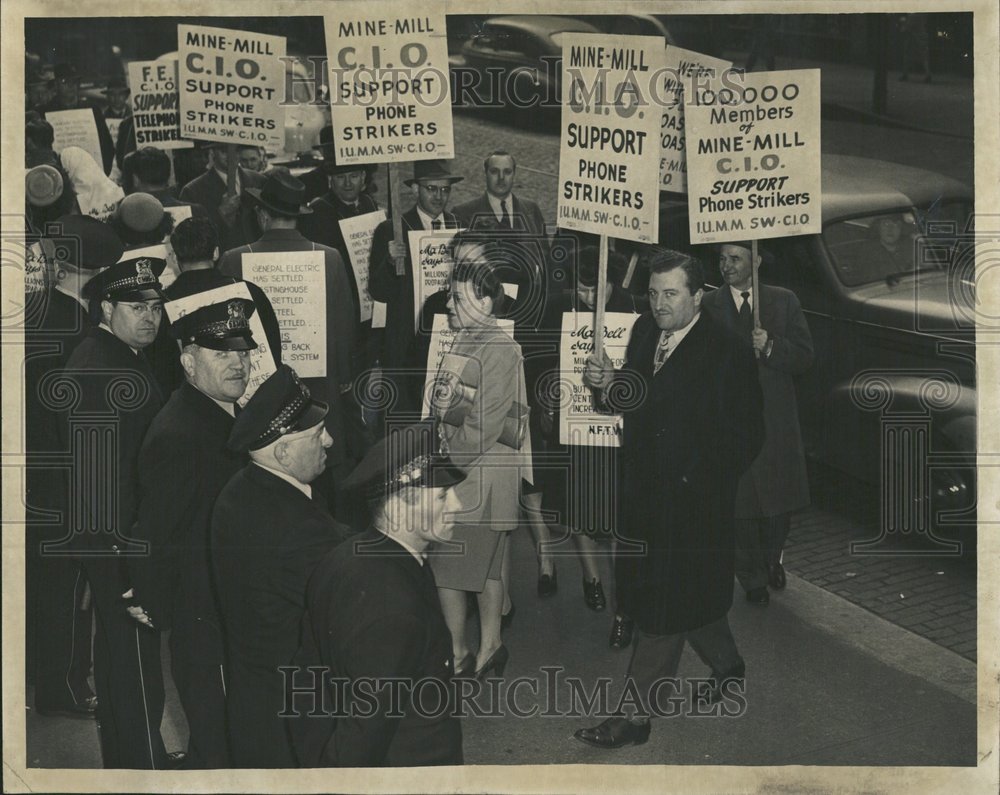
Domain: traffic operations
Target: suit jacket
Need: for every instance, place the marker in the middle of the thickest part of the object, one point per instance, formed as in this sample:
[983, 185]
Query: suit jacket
[396, 291]
[374, 611]
[183, 465]
[490, 492]
[777, 482]
[117, 383]
[267, 537]
[689, 432]
[209, 189]
[198, 281]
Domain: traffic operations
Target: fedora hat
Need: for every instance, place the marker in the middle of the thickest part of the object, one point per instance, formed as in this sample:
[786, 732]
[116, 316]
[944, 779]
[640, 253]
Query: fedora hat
[282, 194]
[426, 170]
[116, 83]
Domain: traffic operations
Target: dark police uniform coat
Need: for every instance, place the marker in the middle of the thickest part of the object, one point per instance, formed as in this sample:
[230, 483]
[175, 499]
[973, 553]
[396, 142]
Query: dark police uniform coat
[183, 465]
[118, 383]
[776, 482]
[374, 611]
[267, 537]
[689, 433]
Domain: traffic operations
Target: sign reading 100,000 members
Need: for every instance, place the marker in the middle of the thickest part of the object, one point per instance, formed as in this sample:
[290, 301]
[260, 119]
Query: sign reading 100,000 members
[753, 156]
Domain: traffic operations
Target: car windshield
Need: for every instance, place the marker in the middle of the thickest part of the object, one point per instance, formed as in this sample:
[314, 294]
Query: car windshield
[891, 245]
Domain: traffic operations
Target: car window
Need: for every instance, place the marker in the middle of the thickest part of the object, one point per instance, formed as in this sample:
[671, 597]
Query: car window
[887, 246]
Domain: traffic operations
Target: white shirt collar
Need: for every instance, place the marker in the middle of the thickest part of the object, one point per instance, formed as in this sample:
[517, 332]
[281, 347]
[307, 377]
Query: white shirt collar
[681, 333]
[427, 221]
[497, 209]
[738, 297]
[305, 488]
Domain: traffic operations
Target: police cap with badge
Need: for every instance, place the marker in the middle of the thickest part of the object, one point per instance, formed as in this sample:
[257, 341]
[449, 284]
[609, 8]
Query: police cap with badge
[223, 326]
[280, 406]
[407, 456]
[129, 280]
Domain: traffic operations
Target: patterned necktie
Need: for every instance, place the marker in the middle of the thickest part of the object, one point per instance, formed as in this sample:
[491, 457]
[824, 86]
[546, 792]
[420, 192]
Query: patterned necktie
[746, 314]
[504, 215]
[662, 351]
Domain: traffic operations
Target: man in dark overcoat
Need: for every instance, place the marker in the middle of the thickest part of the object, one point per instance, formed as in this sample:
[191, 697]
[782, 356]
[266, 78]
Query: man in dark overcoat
[117, 387]
[776, 483]
[692, 424]
[278, 206]
[232, 214]
[374, 612]
[431, 184]
[268, 533]
[183, 465]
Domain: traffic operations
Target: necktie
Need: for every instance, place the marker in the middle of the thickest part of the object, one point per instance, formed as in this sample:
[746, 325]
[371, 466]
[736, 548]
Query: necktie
[662, 351]
[746, 314]
[436, 223]
[504, 215]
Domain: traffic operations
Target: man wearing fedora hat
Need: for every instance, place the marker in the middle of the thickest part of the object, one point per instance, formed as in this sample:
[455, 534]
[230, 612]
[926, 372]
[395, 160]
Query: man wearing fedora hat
[345, 196]
[432, 184]
[268, 533]
[116, 92]
[183, 465]
[115, 380]
[278, 206]
[59, 629]
[232, 214]
[374, 613]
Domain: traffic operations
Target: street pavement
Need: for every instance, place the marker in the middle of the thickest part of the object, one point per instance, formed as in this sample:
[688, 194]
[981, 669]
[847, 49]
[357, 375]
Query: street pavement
[845, 666]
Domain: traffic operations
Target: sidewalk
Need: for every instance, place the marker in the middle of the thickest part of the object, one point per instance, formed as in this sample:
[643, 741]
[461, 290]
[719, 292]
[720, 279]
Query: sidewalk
[828, 683]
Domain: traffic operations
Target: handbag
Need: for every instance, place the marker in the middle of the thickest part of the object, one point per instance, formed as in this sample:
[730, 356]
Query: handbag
[453, 396]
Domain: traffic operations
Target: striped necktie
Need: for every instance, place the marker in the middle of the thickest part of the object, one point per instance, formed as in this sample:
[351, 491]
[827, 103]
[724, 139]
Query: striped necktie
[662, 351]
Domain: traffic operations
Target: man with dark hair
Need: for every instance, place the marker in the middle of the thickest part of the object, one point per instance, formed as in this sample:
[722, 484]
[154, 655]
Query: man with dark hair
[278, 206]
[232, 213]
[196, 246]
[691, 429]
[183, 465]
[147, 170]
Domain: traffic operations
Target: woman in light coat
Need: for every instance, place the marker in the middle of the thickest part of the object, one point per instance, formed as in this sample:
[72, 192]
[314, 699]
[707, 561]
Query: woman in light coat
[480, 399]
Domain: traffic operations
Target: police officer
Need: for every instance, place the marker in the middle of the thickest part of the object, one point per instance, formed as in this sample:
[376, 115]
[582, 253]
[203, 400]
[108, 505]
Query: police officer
[183, 465]
[374, 613]
[118, 394]
[268, 533]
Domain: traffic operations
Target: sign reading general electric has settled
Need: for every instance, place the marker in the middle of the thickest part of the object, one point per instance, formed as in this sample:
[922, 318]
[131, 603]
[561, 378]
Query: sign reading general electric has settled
[231, 83]
[390, 92]
[610, 135]
[753, 157]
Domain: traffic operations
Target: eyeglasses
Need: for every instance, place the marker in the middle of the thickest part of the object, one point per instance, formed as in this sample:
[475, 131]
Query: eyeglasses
[437, 190]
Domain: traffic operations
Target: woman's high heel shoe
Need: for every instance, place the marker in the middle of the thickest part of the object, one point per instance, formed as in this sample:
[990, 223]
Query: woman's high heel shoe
[497, 663]
[466, 666]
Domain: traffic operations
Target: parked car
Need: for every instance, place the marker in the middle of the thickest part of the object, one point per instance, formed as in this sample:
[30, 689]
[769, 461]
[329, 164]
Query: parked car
[894, 333]
[516, 59]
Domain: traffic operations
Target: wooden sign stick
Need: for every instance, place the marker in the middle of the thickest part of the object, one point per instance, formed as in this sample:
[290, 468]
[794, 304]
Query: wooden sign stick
[232, 162]
[397, 215]
[602, 296]
[631, 269]
[753, 285]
